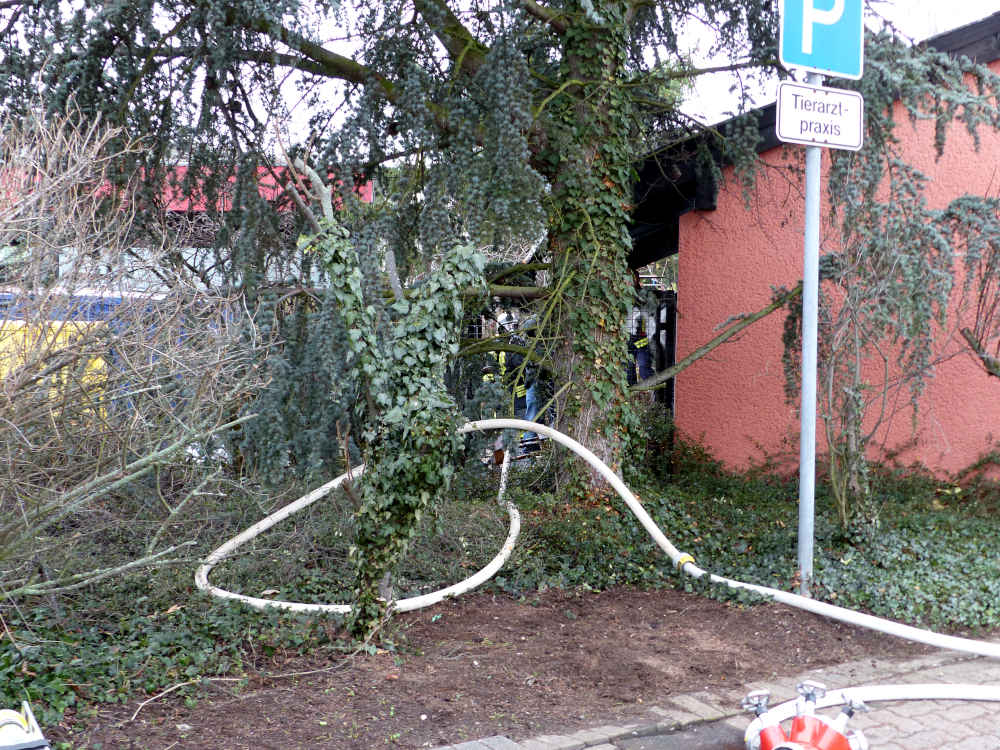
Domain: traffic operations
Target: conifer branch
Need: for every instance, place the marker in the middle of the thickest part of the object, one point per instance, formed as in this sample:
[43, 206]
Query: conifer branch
[330, 63]
[468, 52]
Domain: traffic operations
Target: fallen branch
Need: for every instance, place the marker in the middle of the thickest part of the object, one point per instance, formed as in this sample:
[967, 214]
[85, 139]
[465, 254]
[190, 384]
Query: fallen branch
[75, 498]
[659, 380]
[179, 685]
[79, 580]
[523, 293]
[517, 269]
[990, 363]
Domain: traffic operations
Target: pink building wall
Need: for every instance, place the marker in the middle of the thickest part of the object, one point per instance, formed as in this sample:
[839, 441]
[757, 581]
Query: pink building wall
[733, 400]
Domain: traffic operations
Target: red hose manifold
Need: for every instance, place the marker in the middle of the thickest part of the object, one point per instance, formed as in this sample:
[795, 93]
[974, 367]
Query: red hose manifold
[808, 731]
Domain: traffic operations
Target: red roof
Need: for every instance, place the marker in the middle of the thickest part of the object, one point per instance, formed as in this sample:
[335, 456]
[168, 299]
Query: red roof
[269, 184]
[14, 184]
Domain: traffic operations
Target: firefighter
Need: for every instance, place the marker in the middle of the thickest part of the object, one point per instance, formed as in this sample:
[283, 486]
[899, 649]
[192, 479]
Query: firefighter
[641, 333]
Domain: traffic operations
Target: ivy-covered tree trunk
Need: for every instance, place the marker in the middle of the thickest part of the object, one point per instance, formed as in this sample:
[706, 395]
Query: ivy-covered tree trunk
[589, 239]
[398, 352]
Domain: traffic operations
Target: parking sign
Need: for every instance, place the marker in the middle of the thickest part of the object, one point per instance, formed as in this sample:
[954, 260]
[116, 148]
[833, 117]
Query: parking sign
[824, 36]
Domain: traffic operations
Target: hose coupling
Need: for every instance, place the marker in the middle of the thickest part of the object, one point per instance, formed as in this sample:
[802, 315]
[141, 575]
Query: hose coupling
[756, 701]
[811, 690]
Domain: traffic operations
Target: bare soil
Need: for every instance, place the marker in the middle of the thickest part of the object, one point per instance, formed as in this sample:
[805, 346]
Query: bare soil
[485, 665]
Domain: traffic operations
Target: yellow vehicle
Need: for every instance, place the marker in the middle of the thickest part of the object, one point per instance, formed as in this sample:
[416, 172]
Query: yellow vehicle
[58, 353]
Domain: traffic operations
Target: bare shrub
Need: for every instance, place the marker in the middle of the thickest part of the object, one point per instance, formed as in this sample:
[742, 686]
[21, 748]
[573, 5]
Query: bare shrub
[116, 390]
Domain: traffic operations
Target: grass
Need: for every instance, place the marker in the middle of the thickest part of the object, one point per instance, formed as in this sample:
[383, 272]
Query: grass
[929, 558]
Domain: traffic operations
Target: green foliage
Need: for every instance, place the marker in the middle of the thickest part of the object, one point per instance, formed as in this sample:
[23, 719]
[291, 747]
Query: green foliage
[927, 568]
[930, 561]
[657, 448]
[308, 395]
[398, 353]
[593, 544]
[112, 658]
[515, 126]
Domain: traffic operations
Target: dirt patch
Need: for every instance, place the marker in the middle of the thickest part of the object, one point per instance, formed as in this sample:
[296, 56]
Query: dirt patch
[484, 664]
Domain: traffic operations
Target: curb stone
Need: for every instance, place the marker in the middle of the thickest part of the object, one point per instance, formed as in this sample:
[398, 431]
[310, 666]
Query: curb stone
[690, 709]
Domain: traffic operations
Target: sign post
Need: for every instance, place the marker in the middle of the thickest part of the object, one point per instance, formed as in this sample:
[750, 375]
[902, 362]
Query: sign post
[824, 37]
[807, 403]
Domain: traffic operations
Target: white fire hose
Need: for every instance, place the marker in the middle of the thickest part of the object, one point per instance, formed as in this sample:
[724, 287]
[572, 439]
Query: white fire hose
[808, 730]
[683, 561]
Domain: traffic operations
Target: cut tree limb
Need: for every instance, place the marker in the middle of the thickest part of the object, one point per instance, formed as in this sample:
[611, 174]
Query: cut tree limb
[659, 380]
[990, 363]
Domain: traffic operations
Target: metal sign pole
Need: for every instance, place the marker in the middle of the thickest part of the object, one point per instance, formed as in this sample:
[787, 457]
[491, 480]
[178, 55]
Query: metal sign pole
[807, 409]
[824, 42]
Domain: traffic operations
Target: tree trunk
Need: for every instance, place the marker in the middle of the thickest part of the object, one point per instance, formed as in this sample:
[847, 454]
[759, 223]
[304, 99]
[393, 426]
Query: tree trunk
[595, 409]
[589, 243]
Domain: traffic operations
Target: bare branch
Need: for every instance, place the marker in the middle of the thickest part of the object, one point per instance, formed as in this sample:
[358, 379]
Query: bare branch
[303, 206]
[108, 376]
[179, 685]
[549, 16]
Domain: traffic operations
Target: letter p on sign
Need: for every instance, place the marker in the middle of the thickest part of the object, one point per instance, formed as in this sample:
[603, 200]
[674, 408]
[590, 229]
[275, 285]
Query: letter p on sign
[823, 36]
[812, 15]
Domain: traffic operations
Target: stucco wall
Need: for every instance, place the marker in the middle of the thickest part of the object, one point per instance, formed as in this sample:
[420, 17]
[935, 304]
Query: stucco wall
[734, 399]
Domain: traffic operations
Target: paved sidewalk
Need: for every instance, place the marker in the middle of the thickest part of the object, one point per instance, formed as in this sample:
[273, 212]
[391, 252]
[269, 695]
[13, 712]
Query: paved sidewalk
[714, 721]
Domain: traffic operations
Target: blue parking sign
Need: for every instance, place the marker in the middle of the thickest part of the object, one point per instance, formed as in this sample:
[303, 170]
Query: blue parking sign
[824, 36]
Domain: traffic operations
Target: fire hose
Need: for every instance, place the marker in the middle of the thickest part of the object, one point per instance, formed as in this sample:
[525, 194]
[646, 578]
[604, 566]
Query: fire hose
[808, 731]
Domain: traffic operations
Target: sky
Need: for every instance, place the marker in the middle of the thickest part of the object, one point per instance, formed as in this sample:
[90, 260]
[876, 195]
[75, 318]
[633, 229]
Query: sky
[917, 19]
[923, 18]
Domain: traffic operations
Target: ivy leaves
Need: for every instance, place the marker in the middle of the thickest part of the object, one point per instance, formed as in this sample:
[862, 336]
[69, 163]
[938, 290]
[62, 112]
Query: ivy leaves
[398, 353]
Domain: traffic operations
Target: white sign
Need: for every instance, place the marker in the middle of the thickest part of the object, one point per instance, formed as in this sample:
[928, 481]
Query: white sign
[824, 36]
[817, 116]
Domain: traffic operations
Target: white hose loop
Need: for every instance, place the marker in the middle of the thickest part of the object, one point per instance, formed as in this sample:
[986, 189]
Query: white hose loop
[613, 479]
[400, 605]
[876, 694]
[685, 562]
[681, 560]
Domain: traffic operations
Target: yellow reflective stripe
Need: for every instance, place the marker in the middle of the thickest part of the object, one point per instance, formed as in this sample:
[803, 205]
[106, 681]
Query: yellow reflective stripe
[521, 390]
[641, 342]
